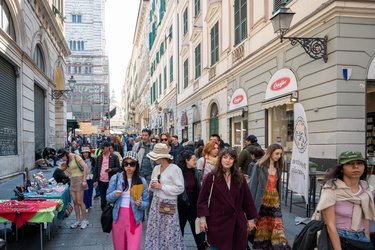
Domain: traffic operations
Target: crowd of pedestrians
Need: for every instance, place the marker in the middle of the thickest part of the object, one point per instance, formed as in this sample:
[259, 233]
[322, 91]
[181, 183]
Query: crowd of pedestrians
[231, 195]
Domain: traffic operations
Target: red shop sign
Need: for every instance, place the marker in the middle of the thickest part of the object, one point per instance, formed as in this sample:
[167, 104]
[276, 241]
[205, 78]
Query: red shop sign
[238, 99]
[280, 83]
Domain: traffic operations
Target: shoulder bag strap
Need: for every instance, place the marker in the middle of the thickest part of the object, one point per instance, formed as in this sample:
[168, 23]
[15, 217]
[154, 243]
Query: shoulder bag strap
[212, 185]
[204, 165]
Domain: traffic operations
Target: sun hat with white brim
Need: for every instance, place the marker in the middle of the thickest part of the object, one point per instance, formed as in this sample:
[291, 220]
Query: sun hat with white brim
[85, 150]
[160, 151]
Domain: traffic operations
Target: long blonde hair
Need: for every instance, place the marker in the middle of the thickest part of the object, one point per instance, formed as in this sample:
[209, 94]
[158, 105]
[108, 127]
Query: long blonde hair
[265, 160]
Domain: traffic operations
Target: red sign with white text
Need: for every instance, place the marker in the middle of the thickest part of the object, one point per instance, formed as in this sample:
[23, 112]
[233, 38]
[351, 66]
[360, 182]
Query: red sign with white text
[280, 84]
[238, 99]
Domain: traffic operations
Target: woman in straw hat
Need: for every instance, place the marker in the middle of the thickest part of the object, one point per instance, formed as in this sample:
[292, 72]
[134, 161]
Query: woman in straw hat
[127, 211]
[90, 162]
[167, 182]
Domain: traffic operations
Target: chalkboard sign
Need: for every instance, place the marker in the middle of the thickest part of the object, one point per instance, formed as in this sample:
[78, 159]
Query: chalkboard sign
[8, 104]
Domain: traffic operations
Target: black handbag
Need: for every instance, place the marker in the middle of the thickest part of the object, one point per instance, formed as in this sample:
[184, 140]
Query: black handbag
[106, 218]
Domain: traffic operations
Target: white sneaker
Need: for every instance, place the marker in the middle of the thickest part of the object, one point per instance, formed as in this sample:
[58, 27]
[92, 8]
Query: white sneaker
[84, 224]
[75, 224]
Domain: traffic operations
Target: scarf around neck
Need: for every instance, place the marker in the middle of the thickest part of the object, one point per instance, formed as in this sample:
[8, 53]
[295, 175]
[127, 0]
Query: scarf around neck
[212, 160]
[363, 204]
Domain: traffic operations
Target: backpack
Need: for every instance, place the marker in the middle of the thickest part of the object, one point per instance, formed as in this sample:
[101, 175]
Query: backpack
[307, 238]
[140, 145]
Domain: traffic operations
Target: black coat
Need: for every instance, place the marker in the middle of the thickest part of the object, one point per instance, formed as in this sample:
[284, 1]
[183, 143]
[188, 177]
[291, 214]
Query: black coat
[114, 164]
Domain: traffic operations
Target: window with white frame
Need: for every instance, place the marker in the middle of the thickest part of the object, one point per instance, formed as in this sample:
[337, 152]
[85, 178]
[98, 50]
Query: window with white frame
[198, 61]
[240, 21]
[214, 44]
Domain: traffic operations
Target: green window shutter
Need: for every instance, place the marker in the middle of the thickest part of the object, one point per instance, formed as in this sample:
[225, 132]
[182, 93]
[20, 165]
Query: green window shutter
[157, 57]
[240, 21]
[186, 73]
[162, 49]
[171, 32]
[185, 21]
[160, 84]
[165, 77]
[198, 61]
[171, 69]
[162, 9]
[197, 7]
[215, 43]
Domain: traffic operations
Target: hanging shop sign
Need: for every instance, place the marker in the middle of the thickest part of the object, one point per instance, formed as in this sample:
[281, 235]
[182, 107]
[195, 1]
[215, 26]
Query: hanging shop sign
[282, 82]
[238, 100]
[184, 119]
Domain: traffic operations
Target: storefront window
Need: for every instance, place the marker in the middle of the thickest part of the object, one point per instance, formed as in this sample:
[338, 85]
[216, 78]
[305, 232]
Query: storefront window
[197, 131]
[239, 131]
[370, 132]
[281, 127]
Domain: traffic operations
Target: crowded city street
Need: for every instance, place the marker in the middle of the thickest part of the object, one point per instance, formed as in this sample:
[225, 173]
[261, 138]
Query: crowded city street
[187, 124]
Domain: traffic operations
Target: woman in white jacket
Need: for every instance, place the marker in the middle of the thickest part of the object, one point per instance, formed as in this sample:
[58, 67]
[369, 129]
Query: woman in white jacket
[167, 182]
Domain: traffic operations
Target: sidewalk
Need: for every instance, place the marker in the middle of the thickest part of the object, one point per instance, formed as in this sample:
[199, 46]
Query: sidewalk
[94, 239]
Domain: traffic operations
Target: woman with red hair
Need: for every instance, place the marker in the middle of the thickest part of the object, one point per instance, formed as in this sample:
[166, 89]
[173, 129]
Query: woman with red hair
[208, 161]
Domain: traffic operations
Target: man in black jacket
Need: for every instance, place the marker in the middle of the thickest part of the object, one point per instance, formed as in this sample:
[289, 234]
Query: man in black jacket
[106, 165]
[50, 153]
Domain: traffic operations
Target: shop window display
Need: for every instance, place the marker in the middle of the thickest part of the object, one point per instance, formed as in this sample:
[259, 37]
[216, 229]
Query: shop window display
[281, 127]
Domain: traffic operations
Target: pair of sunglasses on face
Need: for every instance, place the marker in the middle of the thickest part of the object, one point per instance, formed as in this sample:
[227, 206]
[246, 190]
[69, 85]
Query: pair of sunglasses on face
[131, 164]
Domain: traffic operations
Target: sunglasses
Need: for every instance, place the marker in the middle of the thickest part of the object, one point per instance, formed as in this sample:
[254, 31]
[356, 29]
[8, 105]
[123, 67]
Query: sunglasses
[131, 164]
[154, 141]
[163, 139]
[159, 178]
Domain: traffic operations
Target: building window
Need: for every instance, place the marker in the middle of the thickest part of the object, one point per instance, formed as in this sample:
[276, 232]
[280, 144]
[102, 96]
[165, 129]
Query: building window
[214, 119]
[197, 7]
[6, 22]
[186, 73]
[215, 44]
[277, 3]
[185, 21]
[160, 84]
[240, 21]
[198, 61]
[76, 18]
[171, 69]
[39, 57]
[165, 77]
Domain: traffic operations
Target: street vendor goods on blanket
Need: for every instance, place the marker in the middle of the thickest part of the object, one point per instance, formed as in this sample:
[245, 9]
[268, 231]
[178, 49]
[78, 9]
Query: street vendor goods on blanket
[20, 212]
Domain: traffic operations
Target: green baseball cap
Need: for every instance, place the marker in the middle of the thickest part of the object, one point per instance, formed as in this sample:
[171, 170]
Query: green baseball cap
[348, 156]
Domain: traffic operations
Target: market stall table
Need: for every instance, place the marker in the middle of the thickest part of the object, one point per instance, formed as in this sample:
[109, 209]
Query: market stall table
[60, 193]
[21, 212]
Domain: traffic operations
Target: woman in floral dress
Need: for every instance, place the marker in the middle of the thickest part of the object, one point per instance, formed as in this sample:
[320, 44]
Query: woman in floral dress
[167, 182]
[265, 186]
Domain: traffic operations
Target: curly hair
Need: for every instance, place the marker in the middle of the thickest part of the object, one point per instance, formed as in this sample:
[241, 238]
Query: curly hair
[237, 176]
[209, 147]
[169, 138]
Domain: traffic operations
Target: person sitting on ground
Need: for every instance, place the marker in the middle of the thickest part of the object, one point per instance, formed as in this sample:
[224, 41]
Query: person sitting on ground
[60, 176]
[39, 161]
[50, 153]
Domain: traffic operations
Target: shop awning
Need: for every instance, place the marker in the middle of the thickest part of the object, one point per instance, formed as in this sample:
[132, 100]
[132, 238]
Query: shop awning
[277, 102]
[235, 113]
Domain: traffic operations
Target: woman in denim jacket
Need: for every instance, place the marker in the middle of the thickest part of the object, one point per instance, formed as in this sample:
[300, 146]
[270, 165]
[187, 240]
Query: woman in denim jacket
[127, 212]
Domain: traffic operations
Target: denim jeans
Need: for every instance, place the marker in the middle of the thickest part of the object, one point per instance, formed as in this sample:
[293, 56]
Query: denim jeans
[360, 236]
[214, 248]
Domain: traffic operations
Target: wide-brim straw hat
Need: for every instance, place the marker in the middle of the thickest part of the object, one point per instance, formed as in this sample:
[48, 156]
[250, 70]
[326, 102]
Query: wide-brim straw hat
[85, 150]
[160, 151]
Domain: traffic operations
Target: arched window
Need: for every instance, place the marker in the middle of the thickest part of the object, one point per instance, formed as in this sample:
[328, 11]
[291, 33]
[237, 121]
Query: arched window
[39, 57]
[6, 22]
[214, 119]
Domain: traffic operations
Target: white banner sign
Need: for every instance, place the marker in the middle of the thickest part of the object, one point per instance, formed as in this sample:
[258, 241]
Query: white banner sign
[299, 165]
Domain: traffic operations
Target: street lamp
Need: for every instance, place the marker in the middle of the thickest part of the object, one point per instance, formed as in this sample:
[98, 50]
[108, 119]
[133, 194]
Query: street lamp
[56, 94]
[315, 47]
[156, 104]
